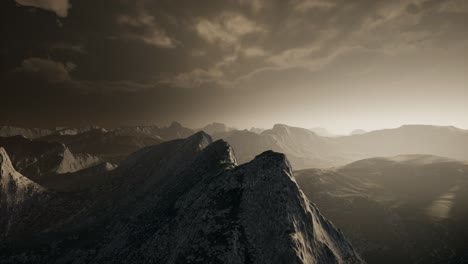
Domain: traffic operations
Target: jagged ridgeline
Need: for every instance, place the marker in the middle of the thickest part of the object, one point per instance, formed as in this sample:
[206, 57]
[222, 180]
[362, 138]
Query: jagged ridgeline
[182, 201]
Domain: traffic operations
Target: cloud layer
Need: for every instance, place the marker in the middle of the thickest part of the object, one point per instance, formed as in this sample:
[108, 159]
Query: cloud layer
[52, 71]
[245, 62]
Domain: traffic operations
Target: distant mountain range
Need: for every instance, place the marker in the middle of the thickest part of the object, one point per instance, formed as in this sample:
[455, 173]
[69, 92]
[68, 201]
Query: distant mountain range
[181, 201]
[323, 132]
[303, 147]
[38, 159]
[215, 128]
[403, 209]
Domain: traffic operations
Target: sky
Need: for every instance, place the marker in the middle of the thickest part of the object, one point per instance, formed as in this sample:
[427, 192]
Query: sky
[336, 64]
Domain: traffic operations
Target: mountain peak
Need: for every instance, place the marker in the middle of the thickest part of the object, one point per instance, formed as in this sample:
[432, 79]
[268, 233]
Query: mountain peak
[280, 126]
[14, 187]
[5, 162]
[270, 156]
[299, 233]
[175, 124]
[200, 139]
[217, 124]
[218, 153]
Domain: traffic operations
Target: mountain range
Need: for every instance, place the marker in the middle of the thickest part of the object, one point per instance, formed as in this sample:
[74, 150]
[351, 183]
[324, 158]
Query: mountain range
[181, 201]
[172, 195]
[303, 147]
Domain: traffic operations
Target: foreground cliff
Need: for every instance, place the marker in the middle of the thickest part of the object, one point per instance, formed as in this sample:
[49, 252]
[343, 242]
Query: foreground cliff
[186, 201]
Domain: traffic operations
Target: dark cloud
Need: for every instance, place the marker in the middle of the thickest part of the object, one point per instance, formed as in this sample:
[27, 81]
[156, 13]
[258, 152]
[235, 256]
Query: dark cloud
[59, 7]
[50, 70]
[143, 27]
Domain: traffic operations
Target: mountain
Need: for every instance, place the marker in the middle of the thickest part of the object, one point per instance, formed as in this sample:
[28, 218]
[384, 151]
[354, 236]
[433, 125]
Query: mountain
[114, 145]
[442, 141]
[215, 128]
[109, 145]
[75, 131]
[402, 209]
[323, 132]
[18, 194]
[79, 180]
[36, 159]
[9, 131]
[256, 130]
[184, 201]
[303, 147]
[175, 131]
[306, 149]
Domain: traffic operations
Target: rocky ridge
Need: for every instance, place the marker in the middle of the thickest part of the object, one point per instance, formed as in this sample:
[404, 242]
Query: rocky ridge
[187, 201]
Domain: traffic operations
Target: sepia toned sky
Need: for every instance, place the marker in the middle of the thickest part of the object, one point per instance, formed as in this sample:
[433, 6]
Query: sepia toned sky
[337, 64]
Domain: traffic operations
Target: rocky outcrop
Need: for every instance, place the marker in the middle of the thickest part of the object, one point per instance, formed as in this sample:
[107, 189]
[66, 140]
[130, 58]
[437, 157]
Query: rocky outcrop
[17, 194]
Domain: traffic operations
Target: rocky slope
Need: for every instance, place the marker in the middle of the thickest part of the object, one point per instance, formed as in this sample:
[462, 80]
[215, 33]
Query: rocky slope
[186, 201]
[403, 209]
[18, 195]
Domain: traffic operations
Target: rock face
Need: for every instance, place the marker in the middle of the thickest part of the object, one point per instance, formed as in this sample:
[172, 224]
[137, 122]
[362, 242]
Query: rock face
[17, 194]
[187, 201]
[403, 209]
